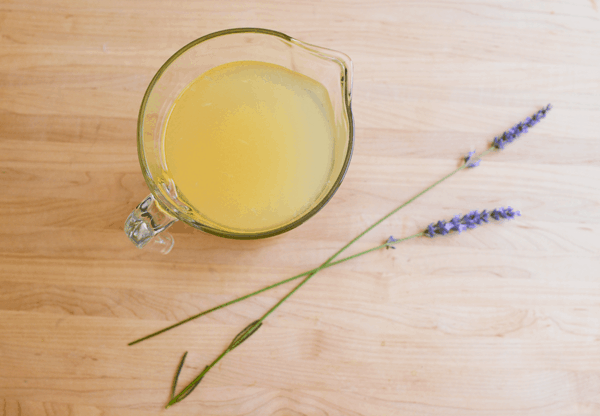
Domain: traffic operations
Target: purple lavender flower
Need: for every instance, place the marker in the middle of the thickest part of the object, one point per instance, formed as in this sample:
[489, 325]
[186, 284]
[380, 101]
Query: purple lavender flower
[468, 160]
[471, 220]
[506, 213]
[390, 241]
[521, 128]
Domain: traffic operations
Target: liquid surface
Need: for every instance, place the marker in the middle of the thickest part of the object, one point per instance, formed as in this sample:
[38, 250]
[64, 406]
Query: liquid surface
[250, 145]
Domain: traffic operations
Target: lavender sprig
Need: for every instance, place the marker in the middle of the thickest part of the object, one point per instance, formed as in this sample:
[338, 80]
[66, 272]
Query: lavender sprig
[520, 128]
[508, 136]
[469, 160]
[470, 220]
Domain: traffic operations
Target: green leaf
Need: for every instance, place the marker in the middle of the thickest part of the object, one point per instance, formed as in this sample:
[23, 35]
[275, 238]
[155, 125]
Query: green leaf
[176, 378]
[245, 334]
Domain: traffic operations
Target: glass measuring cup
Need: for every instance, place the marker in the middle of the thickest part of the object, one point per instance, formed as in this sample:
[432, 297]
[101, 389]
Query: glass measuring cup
[146, 225]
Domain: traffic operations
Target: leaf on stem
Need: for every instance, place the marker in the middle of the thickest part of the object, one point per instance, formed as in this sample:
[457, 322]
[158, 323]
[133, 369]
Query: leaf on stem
[191, 387]
[176, 378]
[245, 334]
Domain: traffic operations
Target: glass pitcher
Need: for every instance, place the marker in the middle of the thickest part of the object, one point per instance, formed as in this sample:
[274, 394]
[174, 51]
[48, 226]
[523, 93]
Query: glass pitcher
[146, 225]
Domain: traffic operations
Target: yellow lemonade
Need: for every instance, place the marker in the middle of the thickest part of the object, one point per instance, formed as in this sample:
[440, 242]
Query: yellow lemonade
[250, 146]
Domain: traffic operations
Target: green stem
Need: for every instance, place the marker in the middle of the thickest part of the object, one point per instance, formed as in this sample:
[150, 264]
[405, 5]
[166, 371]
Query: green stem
[192, 384]
[264, 289]
[307, 278]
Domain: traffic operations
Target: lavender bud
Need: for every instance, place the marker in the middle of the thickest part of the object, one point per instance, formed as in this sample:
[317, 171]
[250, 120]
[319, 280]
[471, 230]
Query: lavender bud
[484, 216]
[390, 241]
[470, 220]
[468, 160]
[523, 127]
[441, 228]
[430, 230]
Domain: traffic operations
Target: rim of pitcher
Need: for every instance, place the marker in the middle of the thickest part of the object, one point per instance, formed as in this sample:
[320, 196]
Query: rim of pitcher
[347, 89]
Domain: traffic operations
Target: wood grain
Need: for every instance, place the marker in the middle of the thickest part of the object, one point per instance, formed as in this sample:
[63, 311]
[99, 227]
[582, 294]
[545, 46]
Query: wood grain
[504, 319]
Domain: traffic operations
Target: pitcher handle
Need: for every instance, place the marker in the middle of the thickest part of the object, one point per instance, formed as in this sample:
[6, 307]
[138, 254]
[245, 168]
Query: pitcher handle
[146, 226]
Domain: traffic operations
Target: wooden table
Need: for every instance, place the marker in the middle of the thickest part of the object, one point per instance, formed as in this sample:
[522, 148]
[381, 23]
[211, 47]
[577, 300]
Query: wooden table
[500, 320]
